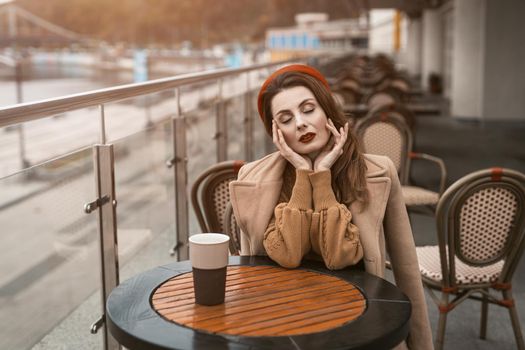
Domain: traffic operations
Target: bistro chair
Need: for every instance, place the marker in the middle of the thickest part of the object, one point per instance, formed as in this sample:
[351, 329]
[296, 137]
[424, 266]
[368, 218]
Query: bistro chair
[481, 237]
[349, 95]
[210, 198]
[384, 96]
[385, 132]
[402, 83]
[399, 110]
[339, 99]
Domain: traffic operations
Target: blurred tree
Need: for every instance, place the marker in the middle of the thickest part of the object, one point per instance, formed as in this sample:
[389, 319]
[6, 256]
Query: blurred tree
[170, 22]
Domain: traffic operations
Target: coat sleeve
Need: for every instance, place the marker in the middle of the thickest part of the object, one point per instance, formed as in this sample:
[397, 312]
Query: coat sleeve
[286, 239]
[401, 248]
[333, 235]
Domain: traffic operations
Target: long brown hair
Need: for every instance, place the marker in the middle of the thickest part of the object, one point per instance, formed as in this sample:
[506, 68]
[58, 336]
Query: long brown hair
[349, 170]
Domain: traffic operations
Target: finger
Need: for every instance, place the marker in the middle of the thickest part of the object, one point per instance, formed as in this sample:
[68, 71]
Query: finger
[274, 133]
[282, 141]
[332, 129]
[275, 136]
[343, 138]
[329, 145]
[332, 123]
[345, 131]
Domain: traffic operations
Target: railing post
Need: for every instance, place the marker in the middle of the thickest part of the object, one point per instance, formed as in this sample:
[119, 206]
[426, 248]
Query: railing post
[269, 147]
[221, 134]
[24, 163]
[180, 173]
[106, 202]
[248, 121]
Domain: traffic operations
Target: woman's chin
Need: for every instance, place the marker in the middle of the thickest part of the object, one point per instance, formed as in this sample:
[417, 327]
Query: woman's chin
[310, 152]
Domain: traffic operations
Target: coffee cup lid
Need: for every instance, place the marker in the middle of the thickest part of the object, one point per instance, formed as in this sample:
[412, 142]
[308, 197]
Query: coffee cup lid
[209, 238]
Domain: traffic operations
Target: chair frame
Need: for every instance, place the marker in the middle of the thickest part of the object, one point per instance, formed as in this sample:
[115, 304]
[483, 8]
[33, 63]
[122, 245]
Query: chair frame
[202, 192]
[234, 231]
[447, 215]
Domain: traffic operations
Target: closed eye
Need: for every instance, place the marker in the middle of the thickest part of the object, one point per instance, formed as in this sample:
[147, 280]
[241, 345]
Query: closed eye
[307, 107]
[284, 117]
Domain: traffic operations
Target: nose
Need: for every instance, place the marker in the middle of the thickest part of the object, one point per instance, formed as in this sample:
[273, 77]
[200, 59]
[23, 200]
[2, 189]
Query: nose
[300, 122]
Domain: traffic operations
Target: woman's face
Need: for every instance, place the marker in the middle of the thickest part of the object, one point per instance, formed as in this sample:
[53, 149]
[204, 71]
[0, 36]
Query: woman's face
[301, 119]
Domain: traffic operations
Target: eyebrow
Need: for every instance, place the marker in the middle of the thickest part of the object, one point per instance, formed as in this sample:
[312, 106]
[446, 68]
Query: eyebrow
[283, 111]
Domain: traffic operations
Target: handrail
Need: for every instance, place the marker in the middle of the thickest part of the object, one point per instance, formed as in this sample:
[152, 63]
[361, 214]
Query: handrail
[29, 111]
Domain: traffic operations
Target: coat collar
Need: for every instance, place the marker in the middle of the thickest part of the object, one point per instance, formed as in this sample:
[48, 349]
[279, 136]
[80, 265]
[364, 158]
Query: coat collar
[375, 168]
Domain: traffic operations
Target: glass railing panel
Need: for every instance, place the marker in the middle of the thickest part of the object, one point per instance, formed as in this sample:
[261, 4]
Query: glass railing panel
[50, 256]
[235, 127]
[41, 140]
[259, 132]
[202, 149]
[134, 115]
[260, 137]
[144, 184]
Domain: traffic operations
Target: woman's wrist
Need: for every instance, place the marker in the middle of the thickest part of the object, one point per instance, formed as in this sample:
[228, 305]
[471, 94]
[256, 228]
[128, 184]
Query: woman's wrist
[303, 165]
[301, 197]
[323, 195]
[320, 168]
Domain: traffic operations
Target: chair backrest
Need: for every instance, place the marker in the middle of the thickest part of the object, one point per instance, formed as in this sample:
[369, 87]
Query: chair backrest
[481, 220]
[349, 95]
[350, 84]
[339, 99]
[210, 197]
[385, 133]
[230, 225]
[401, 83]
[384, 96]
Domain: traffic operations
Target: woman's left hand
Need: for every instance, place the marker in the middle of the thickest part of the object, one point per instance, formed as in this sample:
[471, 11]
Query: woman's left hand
[333, 149]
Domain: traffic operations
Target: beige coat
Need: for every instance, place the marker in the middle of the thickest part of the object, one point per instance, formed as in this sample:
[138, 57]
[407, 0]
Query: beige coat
[383, 224]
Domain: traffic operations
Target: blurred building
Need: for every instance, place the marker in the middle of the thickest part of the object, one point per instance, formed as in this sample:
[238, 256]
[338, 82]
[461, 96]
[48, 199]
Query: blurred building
[313, 33]
[474, 46]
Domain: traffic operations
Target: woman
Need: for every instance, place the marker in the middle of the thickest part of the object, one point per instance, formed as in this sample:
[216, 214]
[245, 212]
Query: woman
[319, 197]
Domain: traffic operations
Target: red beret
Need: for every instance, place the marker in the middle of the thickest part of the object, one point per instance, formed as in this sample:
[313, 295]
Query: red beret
[290, 68]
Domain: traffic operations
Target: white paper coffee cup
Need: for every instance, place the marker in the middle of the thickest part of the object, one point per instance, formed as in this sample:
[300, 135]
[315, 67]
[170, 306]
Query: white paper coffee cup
[209, 259]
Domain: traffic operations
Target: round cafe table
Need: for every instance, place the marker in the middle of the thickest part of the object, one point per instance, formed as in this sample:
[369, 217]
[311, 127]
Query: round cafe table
[266, 307]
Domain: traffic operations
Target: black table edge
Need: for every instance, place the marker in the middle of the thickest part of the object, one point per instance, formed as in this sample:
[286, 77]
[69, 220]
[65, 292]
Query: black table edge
[159, 333]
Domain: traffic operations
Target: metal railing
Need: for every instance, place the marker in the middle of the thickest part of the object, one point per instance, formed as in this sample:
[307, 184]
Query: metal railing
[104, 161]
[26, 112]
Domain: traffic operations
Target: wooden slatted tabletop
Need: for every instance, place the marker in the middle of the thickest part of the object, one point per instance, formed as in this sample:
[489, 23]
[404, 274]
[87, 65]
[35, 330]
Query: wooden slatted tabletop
[263, 301]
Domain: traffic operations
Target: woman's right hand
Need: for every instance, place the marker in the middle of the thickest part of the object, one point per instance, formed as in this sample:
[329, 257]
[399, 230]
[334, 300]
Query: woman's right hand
[297, 160]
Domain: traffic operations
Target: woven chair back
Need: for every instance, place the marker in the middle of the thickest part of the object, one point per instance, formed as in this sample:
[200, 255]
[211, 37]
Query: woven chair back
[482, 216]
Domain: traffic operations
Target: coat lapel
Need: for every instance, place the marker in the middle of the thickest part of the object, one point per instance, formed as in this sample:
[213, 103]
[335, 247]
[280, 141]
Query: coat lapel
[257, 192]
[370, 220]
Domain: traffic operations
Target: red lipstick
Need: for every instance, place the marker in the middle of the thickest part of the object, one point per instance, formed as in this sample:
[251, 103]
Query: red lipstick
[307, 137]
